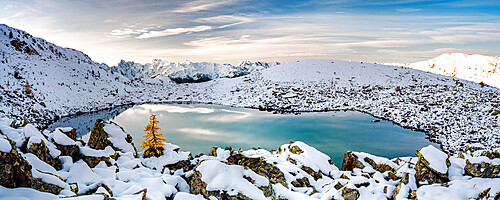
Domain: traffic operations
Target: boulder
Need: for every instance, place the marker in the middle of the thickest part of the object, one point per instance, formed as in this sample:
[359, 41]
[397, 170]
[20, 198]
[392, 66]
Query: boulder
[15, 170]
[259, 166]
[41, 151]
[431, 166]
[243, 181]
[351, 161]
[350, 194]
[482, 169]
[110, 134]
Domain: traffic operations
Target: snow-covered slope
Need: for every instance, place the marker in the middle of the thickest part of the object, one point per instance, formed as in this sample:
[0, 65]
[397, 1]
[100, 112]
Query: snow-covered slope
[62, 81]
[477, 68]
[452, 111]
[186, 72]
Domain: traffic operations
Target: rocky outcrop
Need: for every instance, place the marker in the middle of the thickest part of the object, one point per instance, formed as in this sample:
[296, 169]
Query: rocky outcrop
[351, 161]
[16, 172]
[100, 139]
[259, 166]
[482, 169]
[42, 151]
[350, 194]
[425, 174]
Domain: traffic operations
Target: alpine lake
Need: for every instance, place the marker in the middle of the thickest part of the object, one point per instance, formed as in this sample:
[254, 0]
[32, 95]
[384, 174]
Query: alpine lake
[198, 127]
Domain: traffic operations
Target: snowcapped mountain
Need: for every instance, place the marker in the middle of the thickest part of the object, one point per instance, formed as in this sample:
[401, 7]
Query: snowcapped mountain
[186, 72]
[61, 81]
[477, 68]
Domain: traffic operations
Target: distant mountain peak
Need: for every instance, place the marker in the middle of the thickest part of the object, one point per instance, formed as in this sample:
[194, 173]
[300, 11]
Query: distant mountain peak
[187, 71]
[472, 67]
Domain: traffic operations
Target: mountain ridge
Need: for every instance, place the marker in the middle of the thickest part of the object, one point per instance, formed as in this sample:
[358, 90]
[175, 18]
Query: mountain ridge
[473, 67]
[186, 71]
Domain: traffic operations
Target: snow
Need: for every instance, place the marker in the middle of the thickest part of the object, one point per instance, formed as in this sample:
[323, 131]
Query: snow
[436, 158]
[24, 194]
[61, 138]
[106, 152]
[187, 196]
[458, 189]
[5, 145]
[117, 137]
[477, 68]
[310, 157]
[169, 157]
[230, 178]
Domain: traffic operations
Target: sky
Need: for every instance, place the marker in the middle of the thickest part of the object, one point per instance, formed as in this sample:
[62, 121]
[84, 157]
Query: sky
[230, 31]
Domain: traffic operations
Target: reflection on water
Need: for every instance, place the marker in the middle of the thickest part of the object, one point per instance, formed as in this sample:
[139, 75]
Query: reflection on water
[197, 127]
[85, 122]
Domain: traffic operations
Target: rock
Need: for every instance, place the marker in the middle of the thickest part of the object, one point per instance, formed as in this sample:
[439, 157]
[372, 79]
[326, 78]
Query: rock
[483, 169]
[351, 161]
[405, 178]
[338, 186]
[426, 174]
[303, 182]
[379, 167]
[350, 194]
[259, 166]
[72, 151]
[296, 150]
[491, 154]
[363, 184]
[71, 133]
[314, 174]
[197, 186]
[100, 139]
[41, 151]
[94, 161]
[183, 164]
[41, 186]
[213, 152]
[396, 191]
[391, 176]
[15, 170]
[484, 194]
[94, 188]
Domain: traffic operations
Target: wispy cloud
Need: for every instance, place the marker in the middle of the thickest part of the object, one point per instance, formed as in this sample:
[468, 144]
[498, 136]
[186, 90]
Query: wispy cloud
[173, 31]
[200, 5]
[408, 10]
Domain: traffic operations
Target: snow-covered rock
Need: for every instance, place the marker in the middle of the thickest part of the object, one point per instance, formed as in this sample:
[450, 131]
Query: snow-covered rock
[239, 174]
[477, 68]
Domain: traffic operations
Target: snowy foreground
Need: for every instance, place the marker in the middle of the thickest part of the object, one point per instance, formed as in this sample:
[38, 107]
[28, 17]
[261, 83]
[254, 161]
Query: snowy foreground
[453, 112]
[109, 166]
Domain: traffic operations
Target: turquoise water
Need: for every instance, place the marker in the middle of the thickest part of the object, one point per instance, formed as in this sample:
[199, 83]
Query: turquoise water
[197, 127]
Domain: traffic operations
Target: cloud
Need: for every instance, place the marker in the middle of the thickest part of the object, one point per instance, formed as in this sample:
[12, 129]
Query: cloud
[200, 5]
[121, 33]
[173, 31]
[408, 10]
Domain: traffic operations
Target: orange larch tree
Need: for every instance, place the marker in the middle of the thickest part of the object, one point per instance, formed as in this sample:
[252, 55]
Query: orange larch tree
[153, 141]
